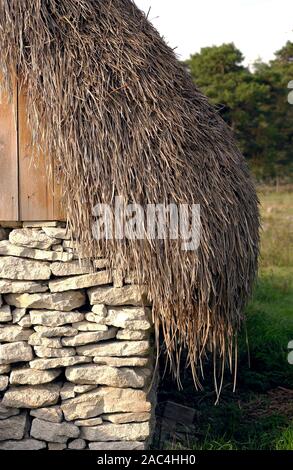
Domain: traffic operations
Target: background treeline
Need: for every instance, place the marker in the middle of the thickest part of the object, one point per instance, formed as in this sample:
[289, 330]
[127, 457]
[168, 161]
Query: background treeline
[254, 101]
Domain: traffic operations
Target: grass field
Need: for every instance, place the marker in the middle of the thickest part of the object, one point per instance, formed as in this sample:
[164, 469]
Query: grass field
[260, 414]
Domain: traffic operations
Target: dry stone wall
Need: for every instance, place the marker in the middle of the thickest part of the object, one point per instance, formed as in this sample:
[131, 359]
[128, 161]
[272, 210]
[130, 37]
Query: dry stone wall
[76, 357]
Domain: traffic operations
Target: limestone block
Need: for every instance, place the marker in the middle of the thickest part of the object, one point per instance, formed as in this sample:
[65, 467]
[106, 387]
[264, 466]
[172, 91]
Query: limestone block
[77, 444]
[53, 318]
[31, 238]
[88, 422]
[116, 348]
[5, 313]
[83, 410]
[24, 444]
[8, 249]
[8, 286]
[90, 337]
[43, 352]
[7, 412]
[132, 335]
[23, 269]
[18, 314]
[13, 428]
[25, 322]
[53, 432]
[122, 361]
[70, 390]
[43, 364]
[37, 340]
[127, 295]
[4, 380]
[100, 310]
[114, 400]
[53, 414]
[132, 318]
[57, 331]
[83, 388]
[57, 232]
[10, 333]
[28, 376]
[64, 301]
[31, 396]
[19, 351]
[90, 326]
[114, 432]
[81, 282]
[72, 268]
[123, 418]
[105, 375]
[5, 368]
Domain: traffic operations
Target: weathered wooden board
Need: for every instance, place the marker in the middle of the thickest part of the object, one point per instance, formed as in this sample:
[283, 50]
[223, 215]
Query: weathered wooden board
[39, 195]
[27, 192]
[59, 211]
[8, 159]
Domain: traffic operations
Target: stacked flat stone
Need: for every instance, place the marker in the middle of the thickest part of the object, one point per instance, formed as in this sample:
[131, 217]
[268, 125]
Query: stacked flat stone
[75, 348]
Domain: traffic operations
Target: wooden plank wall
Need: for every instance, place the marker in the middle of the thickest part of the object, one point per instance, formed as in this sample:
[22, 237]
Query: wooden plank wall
[27, 193]
[35, 187]
[8, 159]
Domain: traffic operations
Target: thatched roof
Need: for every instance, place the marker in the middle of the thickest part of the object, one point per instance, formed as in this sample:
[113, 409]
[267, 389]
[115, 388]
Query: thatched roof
[109, 100]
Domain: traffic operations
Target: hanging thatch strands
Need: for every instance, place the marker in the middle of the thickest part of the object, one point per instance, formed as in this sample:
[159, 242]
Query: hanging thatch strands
[108, 99]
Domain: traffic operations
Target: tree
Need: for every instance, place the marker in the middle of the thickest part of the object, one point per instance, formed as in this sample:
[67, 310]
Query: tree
[254, 103]
[237, 93]
[277, 135]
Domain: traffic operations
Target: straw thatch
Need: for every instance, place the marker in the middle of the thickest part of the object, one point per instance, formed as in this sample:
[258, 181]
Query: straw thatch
[108, 99]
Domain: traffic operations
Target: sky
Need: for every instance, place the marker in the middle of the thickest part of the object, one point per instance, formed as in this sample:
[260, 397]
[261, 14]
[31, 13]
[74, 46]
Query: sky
[257, 27]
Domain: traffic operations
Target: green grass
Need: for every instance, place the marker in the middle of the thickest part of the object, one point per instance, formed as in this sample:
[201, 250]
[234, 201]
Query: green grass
[270, 312]
[269, 330]
[285, 440]
[260, 415]
[244, 429]
[277, 228]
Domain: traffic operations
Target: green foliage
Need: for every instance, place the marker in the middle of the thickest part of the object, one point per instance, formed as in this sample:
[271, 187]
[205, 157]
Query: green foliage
[254, 103]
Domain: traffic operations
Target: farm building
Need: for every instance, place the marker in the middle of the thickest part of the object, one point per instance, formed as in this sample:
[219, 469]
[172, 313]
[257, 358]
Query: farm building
[95, 107]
